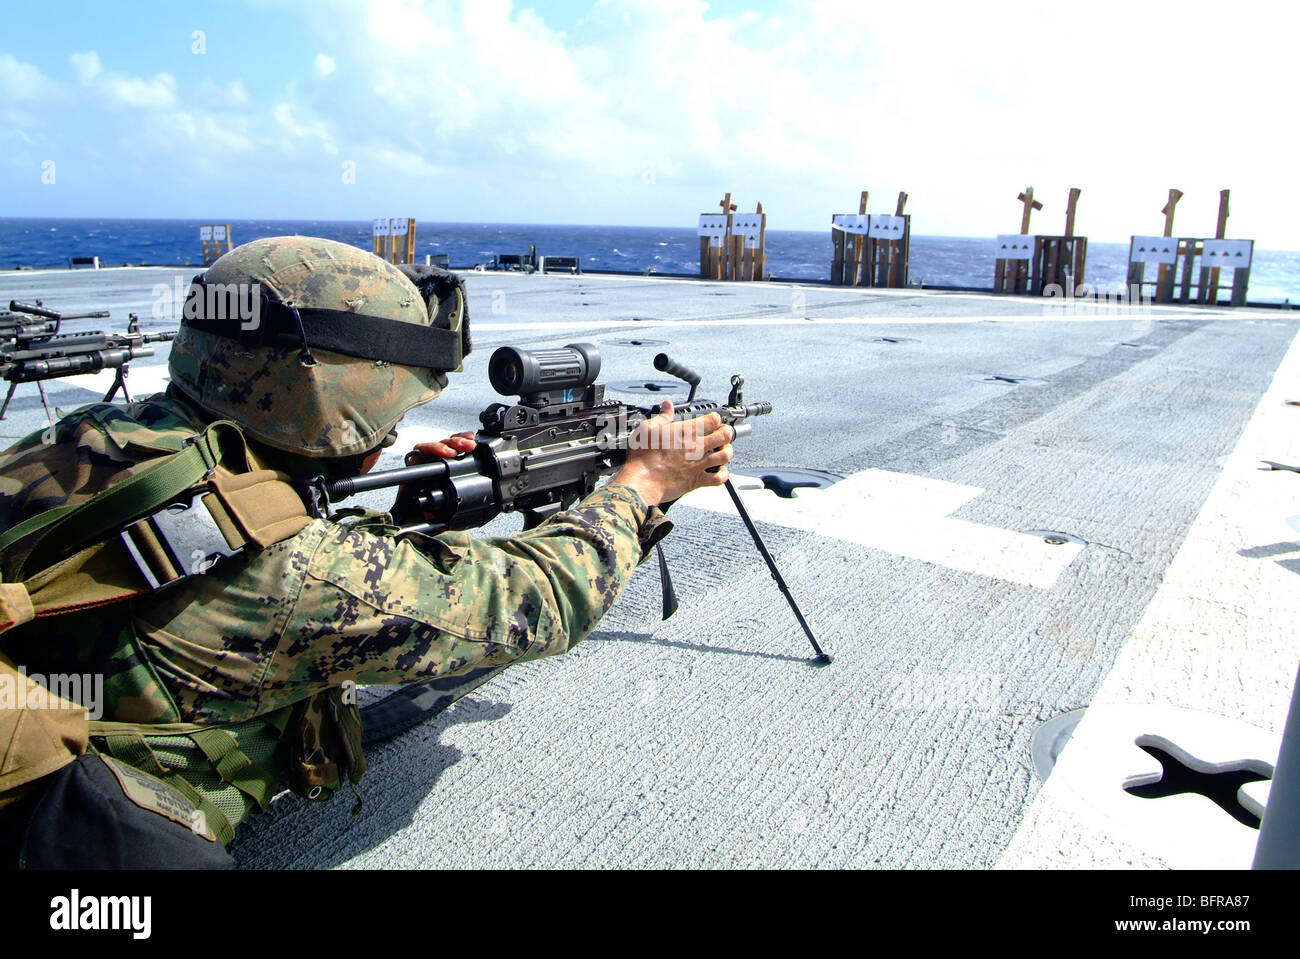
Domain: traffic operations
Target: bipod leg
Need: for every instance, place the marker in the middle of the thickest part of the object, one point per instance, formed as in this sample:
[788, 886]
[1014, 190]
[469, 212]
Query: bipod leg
[669, 595]
[13, 385]
[45, 402]
[119, 383]
[822, 658]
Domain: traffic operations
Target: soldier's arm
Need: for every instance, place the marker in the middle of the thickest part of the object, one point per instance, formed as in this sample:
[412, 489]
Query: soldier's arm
[375, 610]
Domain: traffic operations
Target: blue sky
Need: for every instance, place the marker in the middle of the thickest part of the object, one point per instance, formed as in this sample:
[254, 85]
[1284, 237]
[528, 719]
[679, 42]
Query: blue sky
[639, 112]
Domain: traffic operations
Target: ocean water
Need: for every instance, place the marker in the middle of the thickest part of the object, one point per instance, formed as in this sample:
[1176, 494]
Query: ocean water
[935, 260]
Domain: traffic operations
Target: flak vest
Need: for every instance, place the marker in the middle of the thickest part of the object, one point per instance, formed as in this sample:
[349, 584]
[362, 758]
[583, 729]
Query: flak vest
[151, 504]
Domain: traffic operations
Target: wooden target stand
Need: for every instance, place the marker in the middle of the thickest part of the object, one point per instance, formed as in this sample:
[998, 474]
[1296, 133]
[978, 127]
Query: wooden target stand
[871, 250]
[215, 239]
[394, 240]
[733, 246]
[1041, 264]
[1179, 259]
[1060, 262]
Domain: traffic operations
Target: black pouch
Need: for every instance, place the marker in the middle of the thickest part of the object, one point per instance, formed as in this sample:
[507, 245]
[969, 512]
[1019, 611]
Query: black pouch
[85, 818]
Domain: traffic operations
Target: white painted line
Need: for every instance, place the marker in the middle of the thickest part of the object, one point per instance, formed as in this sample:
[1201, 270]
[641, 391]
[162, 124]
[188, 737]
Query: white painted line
[1219, 638]
[786, 321]
[905, 515]
[1187, 831]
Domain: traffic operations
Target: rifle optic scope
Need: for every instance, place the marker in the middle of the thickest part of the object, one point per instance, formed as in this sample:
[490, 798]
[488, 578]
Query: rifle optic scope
[516, 372]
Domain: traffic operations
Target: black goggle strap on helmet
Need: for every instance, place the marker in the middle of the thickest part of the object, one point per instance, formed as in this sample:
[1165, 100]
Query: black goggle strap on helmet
[254, 319]
[446, 295]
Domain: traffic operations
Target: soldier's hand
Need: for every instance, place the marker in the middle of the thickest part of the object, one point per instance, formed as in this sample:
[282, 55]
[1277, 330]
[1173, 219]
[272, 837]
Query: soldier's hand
[666, 459]
[443, 448]
[449, 448]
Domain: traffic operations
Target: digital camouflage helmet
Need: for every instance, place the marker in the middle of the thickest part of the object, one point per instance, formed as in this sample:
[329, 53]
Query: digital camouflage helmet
[316, 347]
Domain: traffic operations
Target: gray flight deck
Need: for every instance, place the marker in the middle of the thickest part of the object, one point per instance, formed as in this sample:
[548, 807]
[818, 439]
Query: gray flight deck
[708, 740]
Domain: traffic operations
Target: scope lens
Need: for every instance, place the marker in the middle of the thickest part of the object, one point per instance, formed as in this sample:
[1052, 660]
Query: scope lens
[516, 372]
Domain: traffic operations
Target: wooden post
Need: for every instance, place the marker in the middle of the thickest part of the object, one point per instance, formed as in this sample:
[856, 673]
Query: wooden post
[1021, 282]
[837, 254]
[760, 255]
[1070, 206]
[1220, 232]
[1190, 249]
[1054, 255]
[859, 241]
[713, 259]
[1011, 274]
[1241, 279]
[1161, 278]
[904, 245]
[1027, 198]
[726, 267]
[1168, 211]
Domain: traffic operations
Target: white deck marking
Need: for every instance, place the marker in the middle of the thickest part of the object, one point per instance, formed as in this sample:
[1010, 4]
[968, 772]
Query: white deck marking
[905, 515]
[1218, 638]
[883, 319]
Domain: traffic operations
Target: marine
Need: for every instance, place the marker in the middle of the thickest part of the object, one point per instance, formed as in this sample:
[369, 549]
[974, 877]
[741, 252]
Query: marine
[223, 683]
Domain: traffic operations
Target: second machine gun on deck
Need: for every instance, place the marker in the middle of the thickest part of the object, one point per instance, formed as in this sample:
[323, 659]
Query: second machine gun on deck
[31, 352]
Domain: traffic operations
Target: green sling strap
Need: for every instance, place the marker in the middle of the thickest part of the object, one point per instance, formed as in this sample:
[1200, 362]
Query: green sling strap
[62, 561]
[86, 522]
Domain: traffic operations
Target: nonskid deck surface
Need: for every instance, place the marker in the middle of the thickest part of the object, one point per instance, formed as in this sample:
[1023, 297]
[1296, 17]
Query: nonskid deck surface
[965, 427]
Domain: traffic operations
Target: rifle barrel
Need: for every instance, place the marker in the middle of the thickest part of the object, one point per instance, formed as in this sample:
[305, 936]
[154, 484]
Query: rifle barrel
[385, 479]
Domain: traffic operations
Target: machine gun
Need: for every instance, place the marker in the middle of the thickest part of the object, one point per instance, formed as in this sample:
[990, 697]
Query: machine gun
[17, 320]
[543, 453]
[34, 358]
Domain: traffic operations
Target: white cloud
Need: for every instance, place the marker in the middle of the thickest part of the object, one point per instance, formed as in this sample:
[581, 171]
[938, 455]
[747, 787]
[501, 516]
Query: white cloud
[402, 161]
[157, 92]
[17, 122]
[231, 95]
[237, 94]
[122, 90]
[24, 81]
[213, 134]
[297, 128]
[85, 65]
[802, 106]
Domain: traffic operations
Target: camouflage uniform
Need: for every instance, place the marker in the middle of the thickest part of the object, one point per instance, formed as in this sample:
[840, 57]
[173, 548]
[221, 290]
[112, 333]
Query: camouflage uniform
[333, 603]
[330, 604]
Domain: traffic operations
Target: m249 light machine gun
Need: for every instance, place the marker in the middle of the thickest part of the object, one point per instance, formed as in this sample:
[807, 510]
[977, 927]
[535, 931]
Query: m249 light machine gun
[28, 322]
[35, 358]
[543, 453]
